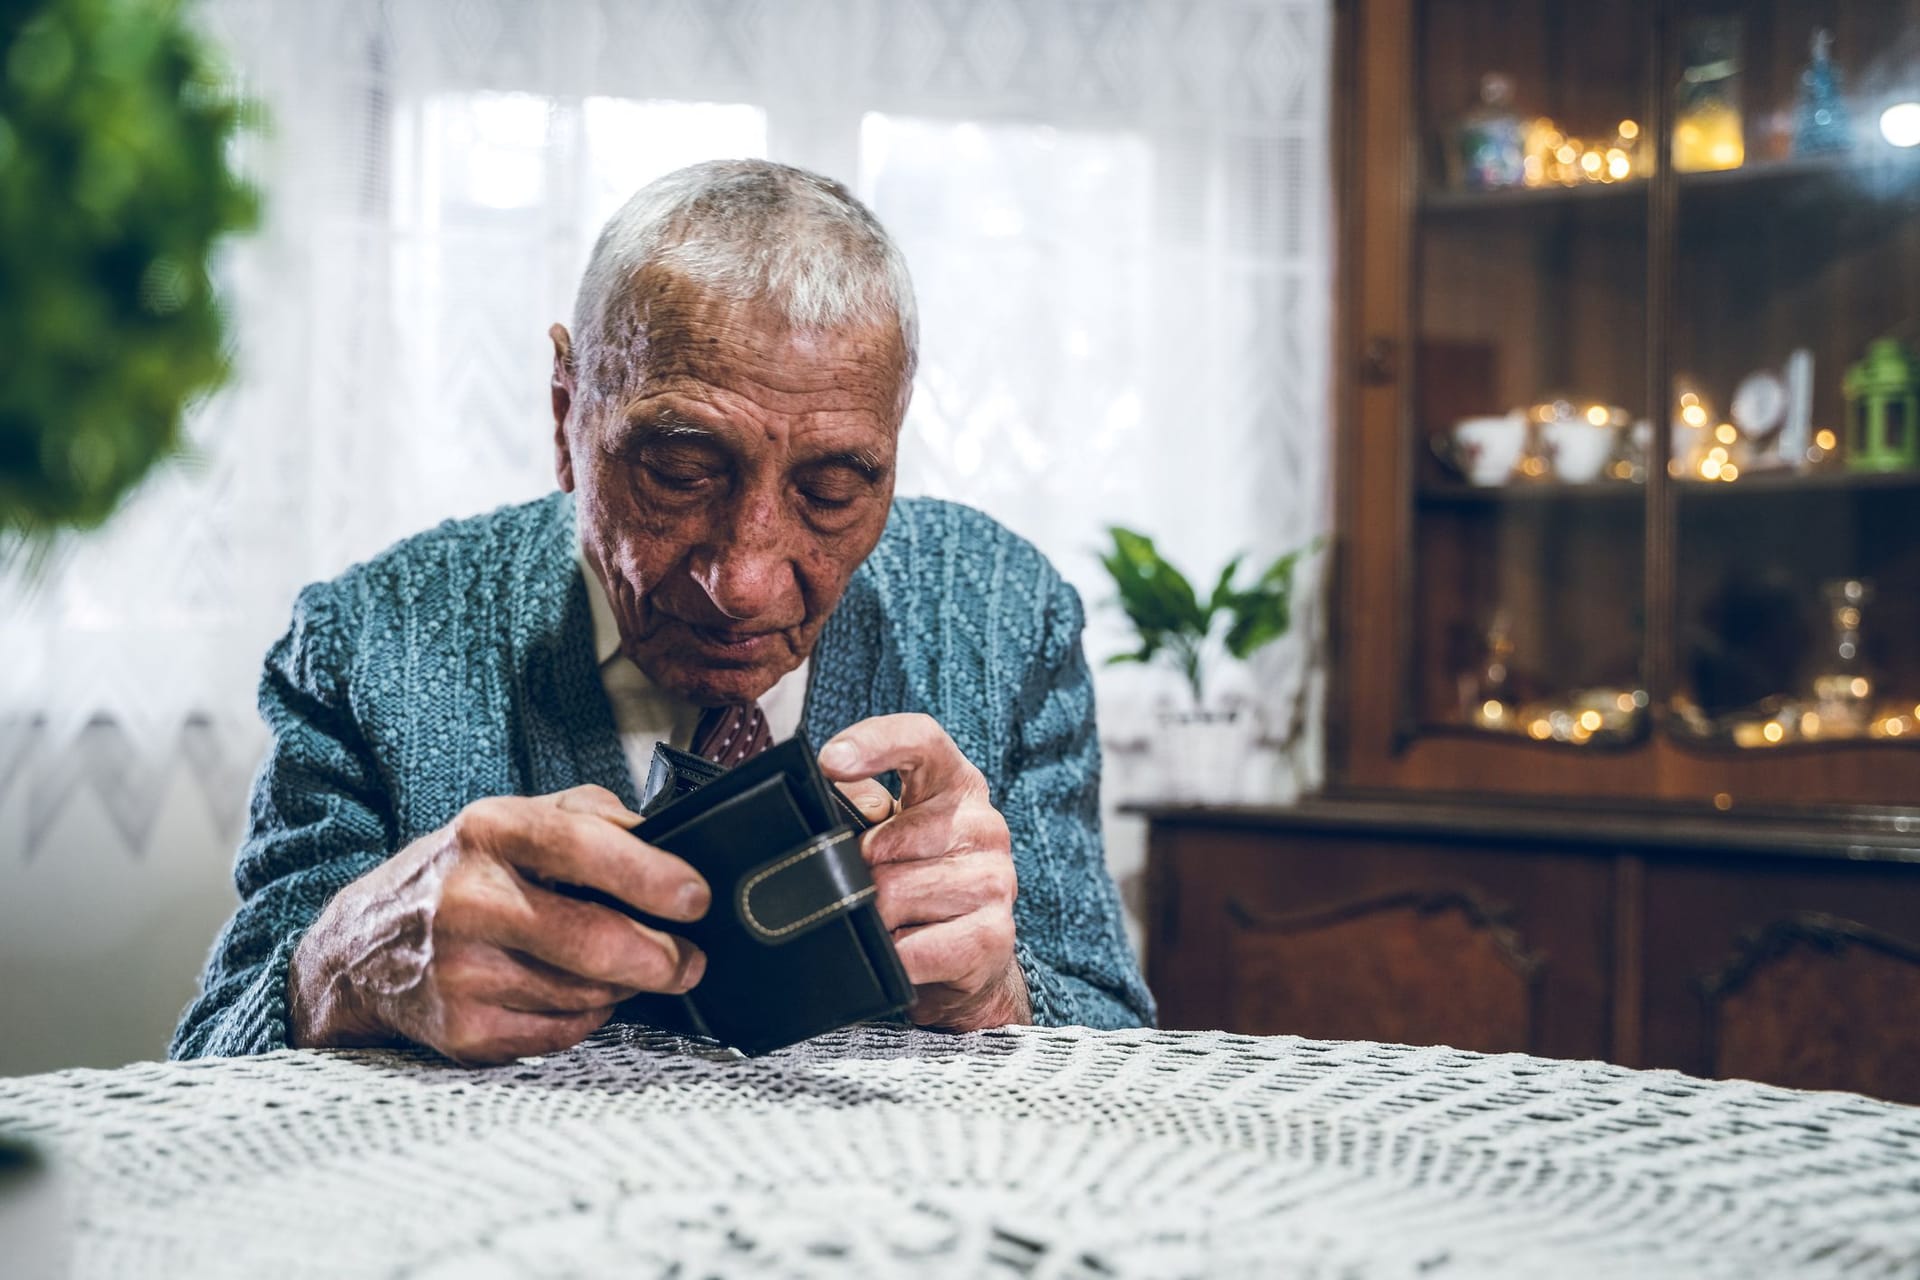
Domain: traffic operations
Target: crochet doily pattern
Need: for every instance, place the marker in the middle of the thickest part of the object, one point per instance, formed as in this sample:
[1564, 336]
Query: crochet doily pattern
[1045, 1153]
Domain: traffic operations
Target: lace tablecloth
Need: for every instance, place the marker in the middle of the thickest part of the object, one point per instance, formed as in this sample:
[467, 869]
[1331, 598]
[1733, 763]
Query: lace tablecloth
[882, 1152]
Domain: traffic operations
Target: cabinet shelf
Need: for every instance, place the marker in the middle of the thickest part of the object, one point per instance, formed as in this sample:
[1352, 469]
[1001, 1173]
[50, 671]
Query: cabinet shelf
[1533, 494]
[1448, 203]
[1627, 737]
[1880, 173]
[1763, 484]
[1843, 173]
[1776, 484]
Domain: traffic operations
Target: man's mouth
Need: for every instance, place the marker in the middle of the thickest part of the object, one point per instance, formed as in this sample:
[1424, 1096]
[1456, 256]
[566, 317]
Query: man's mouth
[740, 645]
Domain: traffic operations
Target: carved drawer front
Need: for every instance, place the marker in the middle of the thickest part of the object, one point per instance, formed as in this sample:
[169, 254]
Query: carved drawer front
[1416, 966]
[1815, 1001]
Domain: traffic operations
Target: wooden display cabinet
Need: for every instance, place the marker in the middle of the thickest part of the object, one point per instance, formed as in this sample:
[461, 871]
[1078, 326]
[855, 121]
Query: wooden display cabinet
[1699, 601]
[1681, 607]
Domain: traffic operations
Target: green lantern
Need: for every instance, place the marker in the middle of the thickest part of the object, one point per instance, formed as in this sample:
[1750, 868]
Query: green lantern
[1883, 409]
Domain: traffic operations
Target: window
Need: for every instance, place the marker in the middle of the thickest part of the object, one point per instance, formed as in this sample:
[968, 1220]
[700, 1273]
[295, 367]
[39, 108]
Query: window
[1032, 252]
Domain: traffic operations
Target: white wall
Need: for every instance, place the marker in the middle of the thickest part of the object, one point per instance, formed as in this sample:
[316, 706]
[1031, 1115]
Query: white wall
[100, 943]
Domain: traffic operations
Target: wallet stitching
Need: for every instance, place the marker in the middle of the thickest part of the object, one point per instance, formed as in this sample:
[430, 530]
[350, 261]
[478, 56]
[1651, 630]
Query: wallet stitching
[819, 845]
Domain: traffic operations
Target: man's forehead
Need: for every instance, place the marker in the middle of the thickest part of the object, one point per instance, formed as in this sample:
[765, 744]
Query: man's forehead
[694, 342]
[665, 307]
[666, 302]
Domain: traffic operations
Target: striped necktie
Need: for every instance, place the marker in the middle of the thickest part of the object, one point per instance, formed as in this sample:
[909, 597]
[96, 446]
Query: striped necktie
[727, 735]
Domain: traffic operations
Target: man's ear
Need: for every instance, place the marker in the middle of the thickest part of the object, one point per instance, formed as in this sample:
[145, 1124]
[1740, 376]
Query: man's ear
[562, 388]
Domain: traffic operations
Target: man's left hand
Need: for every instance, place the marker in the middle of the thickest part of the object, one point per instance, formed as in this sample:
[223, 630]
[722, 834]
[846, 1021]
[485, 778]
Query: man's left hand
[943, 866]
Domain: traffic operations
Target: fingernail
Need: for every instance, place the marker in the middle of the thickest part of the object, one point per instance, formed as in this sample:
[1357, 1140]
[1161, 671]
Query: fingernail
[839, 754]
[692, 901]
[693, 968]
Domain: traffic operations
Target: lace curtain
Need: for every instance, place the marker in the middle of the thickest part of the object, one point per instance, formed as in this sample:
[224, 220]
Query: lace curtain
[1117, 216]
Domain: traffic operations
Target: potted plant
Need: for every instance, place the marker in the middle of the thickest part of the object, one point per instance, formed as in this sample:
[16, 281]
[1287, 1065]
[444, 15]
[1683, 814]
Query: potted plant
[115, 187]
[1205, 743]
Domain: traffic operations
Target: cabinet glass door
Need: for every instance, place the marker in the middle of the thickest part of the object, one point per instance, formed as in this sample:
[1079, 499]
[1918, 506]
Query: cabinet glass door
[1529, 422]
[1795, 449]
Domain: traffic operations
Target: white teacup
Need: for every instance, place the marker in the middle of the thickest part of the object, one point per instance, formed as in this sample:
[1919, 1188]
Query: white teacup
[1580, 450]
[1488, 449]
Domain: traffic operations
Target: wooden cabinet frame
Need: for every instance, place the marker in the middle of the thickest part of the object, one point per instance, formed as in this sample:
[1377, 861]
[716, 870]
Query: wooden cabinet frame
[1376, 743]
[1756, 950]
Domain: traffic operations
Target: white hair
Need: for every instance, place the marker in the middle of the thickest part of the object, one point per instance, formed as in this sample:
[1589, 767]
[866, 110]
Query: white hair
[748, 230]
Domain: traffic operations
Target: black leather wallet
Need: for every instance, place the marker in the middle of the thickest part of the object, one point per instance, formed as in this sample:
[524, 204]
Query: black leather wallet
[794, 942]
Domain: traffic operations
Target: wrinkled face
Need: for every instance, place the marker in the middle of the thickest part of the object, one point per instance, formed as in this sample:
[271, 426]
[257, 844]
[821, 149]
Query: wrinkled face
[731, 488]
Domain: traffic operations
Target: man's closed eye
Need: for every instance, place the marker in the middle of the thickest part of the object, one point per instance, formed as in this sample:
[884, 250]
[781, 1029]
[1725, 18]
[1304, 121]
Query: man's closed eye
[683, 477]
[834, 487]
[830, 498]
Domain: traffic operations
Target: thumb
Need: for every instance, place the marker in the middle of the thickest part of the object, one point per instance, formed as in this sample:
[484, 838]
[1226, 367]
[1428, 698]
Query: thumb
[596, 802]
[874, 801]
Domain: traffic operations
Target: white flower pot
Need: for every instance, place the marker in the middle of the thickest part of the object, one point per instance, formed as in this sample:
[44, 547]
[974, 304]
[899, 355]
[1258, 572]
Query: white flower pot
[1205, 756]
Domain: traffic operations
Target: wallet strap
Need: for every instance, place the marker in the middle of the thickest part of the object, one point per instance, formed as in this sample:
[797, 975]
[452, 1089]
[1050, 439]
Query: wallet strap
[823, 878]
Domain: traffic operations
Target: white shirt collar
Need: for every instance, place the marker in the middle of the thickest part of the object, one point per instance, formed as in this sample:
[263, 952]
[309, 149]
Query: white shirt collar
[606, 630]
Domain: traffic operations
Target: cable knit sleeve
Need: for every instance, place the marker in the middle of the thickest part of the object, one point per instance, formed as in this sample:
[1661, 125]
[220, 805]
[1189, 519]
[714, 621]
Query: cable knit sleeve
[1072, 944]
[318, 819]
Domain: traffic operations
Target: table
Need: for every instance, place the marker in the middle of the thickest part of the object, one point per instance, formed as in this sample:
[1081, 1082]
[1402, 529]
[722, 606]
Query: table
[885, 1151]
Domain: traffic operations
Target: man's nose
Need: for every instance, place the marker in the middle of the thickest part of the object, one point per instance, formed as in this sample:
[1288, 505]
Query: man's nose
[747, 569]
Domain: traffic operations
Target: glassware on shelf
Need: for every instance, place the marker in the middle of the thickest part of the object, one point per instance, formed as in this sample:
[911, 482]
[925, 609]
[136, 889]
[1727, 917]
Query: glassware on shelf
[1843, 688]
[1488, 693]
[1627, 154]
[1844, 702]
[1484, 451]
[1559, 439]
[1576, 440]
[1630, 451]
[1601, 716]
[1692, 437]
[1708, 133]
[1493, 139]
[1582, 717]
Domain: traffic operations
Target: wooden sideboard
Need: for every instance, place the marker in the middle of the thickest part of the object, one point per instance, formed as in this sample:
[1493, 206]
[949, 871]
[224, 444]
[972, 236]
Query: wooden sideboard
[1753, 946]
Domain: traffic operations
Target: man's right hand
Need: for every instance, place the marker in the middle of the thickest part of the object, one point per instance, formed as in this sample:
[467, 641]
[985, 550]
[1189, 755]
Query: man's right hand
[459, 942]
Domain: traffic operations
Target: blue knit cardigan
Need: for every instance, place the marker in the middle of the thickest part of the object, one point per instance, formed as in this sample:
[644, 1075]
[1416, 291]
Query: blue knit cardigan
[459, 664]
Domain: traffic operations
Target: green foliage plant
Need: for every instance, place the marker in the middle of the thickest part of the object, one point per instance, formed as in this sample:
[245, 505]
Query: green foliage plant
[1179, 628]
[115, 185]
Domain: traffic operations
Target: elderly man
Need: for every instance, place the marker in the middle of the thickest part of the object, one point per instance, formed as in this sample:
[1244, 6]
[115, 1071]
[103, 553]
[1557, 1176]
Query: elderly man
[457, 724]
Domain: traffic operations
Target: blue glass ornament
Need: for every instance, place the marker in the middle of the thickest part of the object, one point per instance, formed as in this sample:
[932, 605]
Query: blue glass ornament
[1820, 123]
